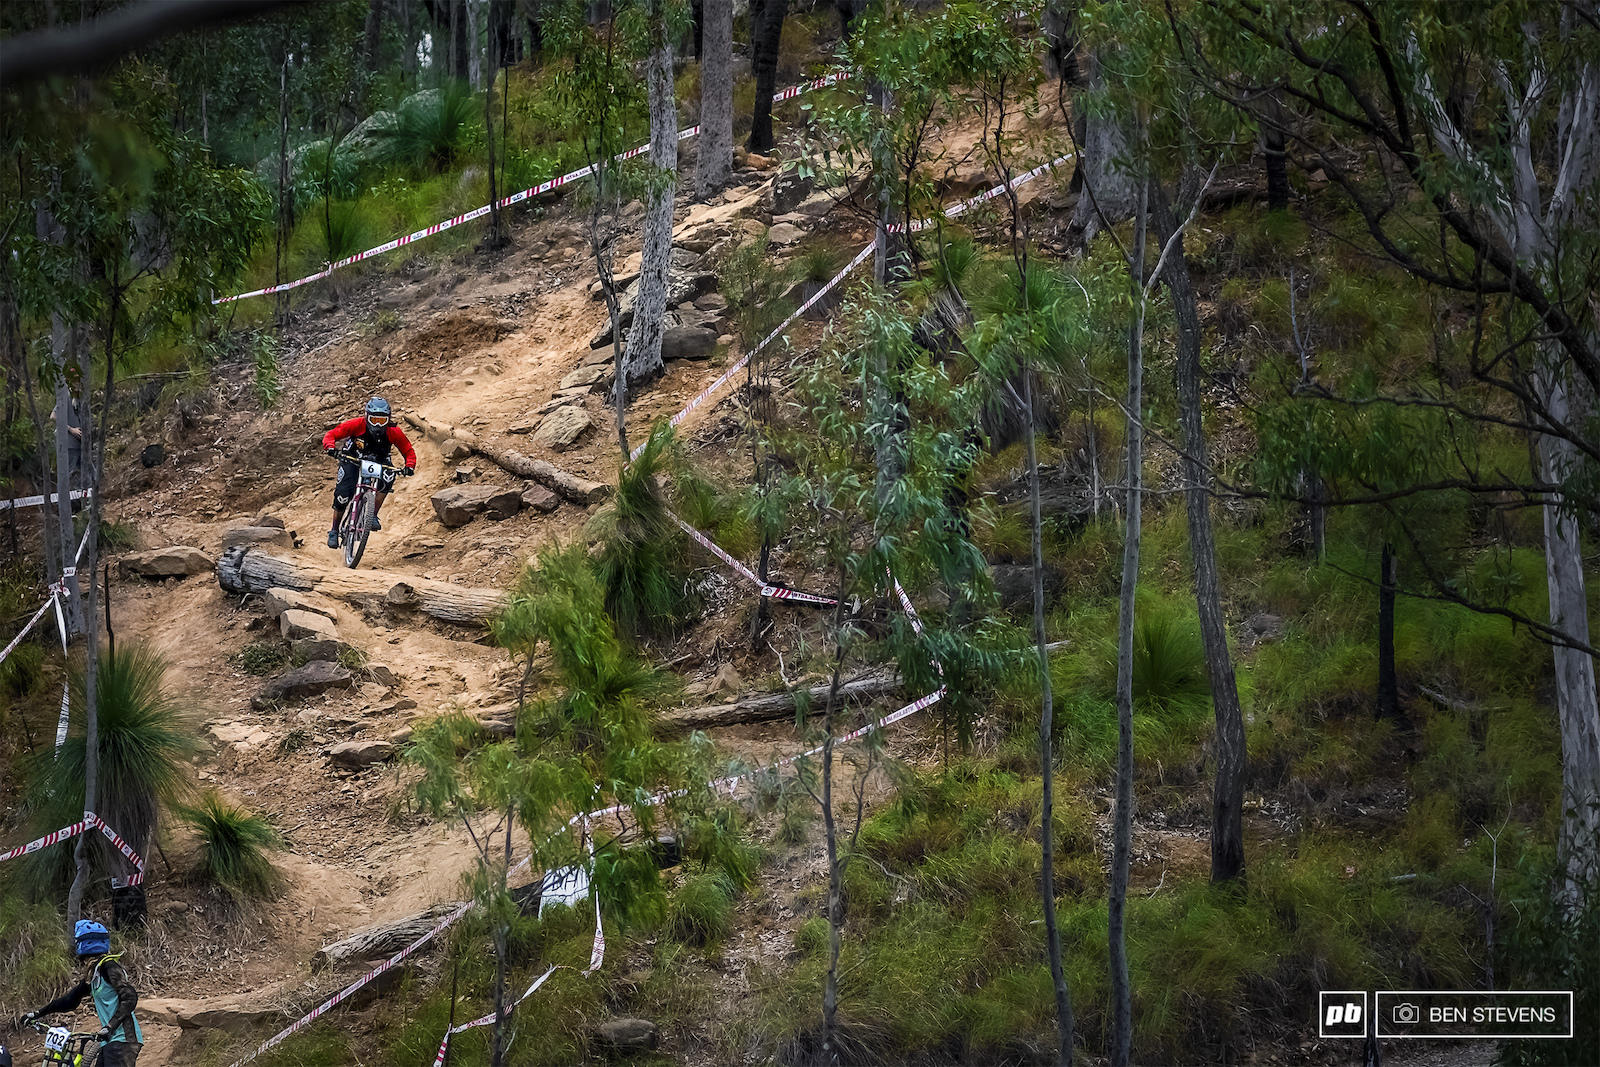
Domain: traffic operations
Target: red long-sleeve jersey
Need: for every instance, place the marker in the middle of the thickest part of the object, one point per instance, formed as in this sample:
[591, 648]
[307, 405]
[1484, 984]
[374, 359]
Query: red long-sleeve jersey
[371, 442]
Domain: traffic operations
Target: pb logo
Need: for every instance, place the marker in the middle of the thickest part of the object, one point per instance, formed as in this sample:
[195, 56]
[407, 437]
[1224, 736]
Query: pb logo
[1342, 1014]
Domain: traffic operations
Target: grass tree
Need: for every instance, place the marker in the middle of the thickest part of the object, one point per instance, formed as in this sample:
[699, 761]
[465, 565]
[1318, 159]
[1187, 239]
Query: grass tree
[141, 747]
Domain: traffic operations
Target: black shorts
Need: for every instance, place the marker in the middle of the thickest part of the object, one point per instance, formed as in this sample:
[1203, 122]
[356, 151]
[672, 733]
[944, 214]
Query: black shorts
[349, 474]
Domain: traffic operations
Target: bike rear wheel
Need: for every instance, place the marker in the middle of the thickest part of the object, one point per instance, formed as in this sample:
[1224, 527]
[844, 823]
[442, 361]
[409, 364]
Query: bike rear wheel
[358, 524]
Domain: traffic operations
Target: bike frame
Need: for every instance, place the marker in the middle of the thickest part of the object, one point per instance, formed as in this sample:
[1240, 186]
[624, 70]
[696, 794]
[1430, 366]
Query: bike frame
[354, 527]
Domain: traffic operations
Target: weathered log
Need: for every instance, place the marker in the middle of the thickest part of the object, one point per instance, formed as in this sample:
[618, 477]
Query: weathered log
[578, 490]
[385, 939]
[773, 706]
[246, 569]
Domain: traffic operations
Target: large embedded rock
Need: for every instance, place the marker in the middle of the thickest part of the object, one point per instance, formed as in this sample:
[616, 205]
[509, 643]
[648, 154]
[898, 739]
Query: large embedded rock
[314, 678]
[628, 1035]
[233, 1016]
[587, 375]
[683, 285]
[504, 504]
[361, 754]
[174, 561]
[540, 499]
[785, 233]
[561, 428]
[688, 342]
[257, 535]
[457, 505]
[278, 601]
[298, 625]
[790, 189]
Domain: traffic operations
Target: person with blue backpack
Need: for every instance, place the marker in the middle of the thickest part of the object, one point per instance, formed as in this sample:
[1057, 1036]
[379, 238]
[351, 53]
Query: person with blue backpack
[107, 983]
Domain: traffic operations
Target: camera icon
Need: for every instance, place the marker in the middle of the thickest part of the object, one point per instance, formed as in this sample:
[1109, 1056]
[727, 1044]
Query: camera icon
[1406, 1012]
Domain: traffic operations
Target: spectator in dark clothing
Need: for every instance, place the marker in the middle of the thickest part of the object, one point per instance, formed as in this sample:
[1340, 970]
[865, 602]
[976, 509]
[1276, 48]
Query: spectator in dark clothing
[114, 997]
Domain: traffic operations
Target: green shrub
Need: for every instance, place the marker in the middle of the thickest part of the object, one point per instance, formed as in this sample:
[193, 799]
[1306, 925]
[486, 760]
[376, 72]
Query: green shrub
[34, 961]
[702, 908]
[260, 657]
[233, 847]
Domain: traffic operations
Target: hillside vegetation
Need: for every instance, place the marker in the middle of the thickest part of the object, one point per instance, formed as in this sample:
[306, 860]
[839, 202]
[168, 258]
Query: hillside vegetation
[1224, 492]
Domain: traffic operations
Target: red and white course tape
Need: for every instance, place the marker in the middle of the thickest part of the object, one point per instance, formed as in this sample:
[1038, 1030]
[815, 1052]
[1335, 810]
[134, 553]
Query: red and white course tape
[515, 198]
[90, 821]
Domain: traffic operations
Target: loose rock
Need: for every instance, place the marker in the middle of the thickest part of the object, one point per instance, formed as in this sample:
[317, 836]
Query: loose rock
[257, 535]
[628, 1035]
[360, 754]
[456, 505]
[540, 499]
[563, 426]
[175, 561]
[688, 342]
[315, 677]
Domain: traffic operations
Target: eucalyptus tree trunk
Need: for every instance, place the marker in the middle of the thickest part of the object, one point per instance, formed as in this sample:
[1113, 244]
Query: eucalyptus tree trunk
[496, 236]
[715, 161]
[1227, 799]
[1047, 766]
[830, 982]
[765, 33]
[474, 57]
[63, 339]
[1110, 193]
[373, 34]
[1122, 825]
[1575, 672]
[642, 359]
[1388, 687]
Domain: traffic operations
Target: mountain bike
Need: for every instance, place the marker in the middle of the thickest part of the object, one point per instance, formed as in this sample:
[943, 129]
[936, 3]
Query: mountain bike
[358, 516]
[63, 1048]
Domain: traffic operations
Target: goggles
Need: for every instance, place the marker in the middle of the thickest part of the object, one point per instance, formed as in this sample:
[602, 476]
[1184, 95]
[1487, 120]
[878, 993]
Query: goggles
[378, 420]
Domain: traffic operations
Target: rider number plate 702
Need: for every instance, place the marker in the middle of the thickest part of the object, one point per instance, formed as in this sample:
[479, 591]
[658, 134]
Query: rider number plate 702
[56, 1038]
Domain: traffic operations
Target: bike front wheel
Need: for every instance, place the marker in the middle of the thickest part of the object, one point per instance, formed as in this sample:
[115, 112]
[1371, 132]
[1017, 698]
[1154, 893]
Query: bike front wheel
[358, 524]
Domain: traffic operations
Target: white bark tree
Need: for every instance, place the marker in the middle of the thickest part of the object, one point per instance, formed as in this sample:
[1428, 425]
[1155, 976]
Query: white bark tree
[715, 161]
[642, 360]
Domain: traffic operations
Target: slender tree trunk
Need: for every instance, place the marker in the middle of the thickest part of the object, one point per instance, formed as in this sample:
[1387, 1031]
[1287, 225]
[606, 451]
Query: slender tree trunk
[1047, 766]
[764, 53]
[1388, 688]
[374, 34]
[847, 10]
[1575, 672]
[63, 339]
[501, 948]
[285, 200]
[1227, 805]
[496, 237]
[474, 57]
[715, 161]
[643, 357]
[1110, 193]
[1121, 1023]
[830, 984]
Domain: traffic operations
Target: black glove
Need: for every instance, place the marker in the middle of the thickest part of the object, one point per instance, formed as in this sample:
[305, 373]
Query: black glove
[409, 471]
[28, 1018]
[104, 1035]
[331, 451]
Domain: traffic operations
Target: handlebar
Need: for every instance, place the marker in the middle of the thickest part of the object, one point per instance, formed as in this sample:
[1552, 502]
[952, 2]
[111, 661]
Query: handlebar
[45, 1028]
[344, 455]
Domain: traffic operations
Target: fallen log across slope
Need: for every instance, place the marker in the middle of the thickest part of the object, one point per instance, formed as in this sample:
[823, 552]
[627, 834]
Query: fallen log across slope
[770, 707]
[567, 485]
[246, 569]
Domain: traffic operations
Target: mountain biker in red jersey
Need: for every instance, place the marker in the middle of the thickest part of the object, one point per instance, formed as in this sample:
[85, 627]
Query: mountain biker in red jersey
[370, 437]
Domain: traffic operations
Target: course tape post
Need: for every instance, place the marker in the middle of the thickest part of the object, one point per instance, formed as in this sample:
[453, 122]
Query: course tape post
[515, 198]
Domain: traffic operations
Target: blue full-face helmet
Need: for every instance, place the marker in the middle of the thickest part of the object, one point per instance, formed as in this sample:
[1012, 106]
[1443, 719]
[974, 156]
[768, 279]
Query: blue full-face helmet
[378, 414]
[92, 937]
